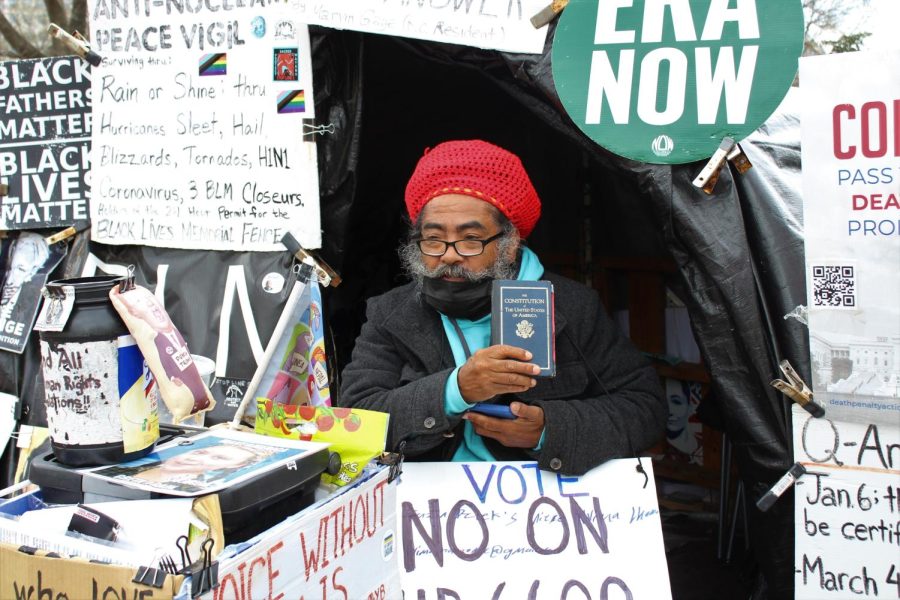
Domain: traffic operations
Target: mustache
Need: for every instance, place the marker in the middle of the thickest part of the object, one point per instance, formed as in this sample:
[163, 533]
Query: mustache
[455, 271]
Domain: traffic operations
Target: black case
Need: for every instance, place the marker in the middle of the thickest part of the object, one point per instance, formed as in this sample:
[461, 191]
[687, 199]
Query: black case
[248, 508]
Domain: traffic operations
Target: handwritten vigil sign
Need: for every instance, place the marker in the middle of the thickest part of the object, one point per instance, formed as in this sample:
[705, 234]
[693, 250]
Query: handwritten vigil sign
[493, 24]
[847, 509]
[850, 133]
[45, 130]
[664, 81]
[199, 115]
[343, 548]
[529, 533]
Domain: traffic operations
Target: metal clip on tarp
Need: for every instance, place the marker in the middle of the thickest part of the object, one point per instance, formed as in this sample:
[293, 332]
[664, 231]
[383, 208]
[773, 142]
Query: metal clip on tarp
[728, 150]
[66, 233]
[325, 274]
[797, 390]
[76, 43]
[787, 480]
[548, 13]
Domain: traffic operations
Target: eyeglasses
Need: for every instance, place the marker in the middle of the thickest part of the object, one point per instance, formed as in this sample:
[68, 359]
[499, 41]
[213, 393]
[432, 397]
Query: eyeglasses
[466, 247]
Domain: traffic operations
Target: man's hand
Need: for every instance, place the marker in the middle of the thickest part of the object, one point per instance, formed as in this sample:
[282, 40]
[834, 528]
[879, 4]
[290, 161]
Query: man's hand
[522, 432]
[496, 370]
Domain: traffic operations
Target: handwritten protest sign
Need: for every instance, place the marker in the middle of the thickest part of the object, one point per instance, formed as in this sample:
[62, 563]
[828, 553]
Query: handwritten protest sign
[45, 131]
[344, 548]
[198, 123]
[493, 24]
[529, 533]
[847, 509]
[851, 143]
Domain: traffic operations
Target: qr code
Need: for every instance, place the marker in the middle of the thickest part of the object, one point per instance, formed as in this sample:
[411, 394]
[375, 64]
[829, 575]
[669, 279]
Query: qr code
[834, 286]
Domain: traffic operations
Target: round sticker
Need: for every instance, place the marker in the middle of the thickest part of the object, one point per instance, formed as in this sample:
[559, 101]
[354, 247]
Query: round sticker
[273, 283]
[258, 26]
[665, 81]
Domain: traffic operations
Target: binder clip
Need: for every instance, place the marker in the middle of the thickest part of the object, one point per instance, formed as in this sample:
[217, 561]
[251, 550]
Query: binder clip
[66, 233]
[728, 150]
[304, 272]
[548, 13]
[56, 308]
[76, 43]
[326, 275]
[151, 576]
[127, 283]
[205, 573]
[311, 130]
[797, 390]
[786, 481]
[394, 460]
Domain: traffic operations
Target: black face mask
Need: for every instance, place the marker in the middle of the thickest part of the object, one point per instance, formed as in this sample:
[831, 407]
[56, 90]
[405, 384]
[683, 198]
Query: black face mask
[458, 299]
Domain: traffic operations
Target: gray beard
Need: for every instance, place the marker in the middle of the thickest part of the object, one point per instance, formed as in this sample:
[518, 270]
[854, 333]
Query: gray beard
[414, 266]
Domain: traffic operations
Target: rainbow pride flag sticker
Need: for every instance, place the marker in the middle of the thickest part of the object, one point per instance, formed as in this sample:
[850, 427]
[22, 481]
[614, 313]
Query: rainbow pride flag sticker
[213, 64]
[291, 101]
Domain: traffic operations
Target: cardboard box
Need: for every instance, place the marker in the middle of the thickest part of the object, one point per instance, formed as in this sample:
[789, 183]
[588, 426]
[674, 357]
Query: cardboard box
[38, 576]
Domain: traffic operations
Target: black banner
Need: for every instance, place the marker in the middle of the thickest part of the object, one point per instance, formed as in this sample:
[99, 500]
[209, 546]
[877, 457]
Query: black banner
[45, 131]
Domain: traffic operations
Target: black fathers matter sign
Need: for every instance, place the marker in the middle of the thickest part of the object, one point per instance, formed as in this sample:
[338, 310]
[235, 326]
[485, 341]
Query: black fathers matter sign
[45, 131]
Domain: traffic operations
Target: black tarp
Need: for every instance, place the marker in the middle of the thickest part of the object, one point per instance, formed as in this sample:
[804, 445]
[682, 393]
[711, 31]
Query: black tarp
[738, 252]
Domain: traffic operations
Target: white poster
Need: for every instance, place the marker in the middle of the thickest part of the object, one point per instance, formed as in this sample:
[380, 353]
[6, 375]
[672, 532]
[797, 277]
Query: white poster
[851, 190]
[510, 530]
[847, 509]
[343, 549]
[493, 24]
[199, 114]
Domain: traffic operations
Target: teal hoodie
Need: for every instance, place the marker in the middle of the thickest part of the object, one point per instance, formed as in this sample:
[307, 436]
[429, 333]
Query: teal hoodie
[478, 336]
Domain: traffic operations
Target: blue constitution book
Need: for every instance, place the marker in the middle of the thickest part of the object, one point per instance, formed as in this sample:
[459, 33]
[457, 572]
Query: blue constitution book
[522, 315]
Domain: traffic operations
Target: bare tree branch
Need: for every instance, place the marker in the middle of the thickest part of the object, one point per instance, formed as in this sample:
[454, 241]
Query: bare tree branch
[79, 19]
[21, 46]
[56, 12]
[826, 18]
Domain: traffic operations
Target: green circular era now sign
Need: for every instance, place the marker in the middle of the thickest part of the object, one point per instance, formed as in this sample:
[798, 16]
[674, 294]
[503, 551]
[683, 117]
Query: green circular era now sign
[663, 81]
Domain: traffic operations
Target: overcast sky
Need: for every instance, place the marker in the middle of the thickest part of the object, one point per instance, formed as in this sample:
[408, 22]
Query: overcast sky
[882, 20]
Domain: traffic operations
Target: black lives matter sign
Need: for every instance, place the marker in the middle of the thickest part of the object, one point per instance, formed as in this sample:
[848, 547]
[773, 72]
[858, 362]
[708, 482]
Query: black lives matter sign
[45, 130]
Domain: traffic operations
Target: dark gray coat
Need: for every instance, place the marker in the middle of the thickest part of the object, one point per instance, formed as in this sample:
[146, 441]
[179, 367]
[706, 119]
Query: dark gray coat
[402, 359]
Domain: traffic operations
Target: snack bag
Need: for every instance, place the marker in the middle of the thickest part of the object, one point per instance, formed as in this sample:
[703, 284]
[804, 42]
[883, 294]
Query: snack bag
[357, 435]
[180, 385]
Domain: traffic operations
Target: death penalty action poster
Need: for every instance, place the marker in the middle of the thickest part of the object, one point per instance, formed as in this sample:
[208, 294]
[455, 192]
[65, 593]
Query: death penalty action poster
[199, 114]
[847, 504]
[851, 211]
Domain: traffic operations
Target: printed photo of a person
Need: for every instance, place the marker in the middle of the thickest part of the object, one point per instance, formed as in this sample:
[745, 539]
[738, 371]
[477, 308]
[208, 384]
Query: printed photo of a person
[203, 466]
[180, 384]
[27, 255]
[25, 263]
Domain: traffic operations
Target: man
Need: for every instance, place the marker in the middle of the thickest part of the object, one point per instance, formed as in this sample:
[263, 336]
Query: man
[424, 354]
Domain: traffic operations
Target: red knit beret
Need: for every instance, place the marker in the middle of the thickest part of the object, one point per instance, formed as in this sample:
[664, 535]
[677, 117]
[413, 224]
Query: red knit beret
[478, 169]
